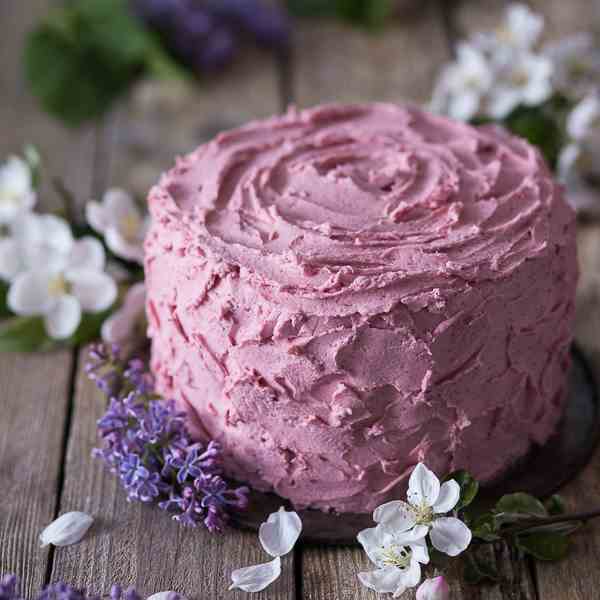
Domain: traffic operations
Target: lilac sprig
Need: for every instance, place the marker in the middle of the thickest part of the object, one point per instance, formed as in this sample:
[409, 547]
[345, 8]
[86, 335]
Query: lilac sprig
[146, 444]
[9, 590]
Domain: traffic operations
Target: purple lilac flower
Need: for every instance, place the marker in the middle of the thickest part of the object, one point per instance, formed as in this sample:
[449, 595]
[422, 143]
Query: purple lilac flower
[63, 591]
[194, 461]
[145, 442]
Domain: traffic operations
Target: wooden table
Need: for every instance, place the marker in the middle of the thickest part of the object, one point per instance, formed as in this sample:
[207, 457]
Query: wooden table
[48, 409]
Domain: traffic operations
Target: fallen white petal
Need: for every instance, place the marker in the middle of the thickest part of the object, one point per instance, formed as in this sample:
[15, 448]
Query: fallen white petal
[67, 529]
[423, 486]
[448, 498]
[433, 589]
[280, 532]
[164, 596]
[122, 247]
[95, 216]
[450, 536]
[63, 319]
[256, 577]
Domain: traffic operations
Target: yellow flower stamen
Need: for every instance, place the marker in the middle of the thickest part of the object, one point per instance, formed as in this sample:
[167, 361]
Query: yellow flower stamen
[58, 286]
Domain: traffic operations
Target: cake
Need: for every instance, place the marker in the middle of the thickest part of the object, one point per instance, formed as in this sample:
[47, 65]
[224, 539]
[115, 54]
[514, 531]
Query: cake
[338, 293]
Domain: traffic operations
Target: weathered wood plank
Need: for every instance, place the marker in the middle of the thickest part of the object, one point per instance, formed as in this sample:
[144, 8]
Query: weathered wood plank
[336, 62]
[139, 545]
[33, 405]
[34, 402]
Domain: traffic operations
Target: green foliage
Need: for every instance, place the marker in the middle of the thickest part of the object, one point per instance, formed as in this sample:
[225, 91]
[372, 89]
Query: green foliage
[86, 54]
[486, 528]
[517, 507]
[555, 505]
[544, 545]
[469, 487]
[369, 13]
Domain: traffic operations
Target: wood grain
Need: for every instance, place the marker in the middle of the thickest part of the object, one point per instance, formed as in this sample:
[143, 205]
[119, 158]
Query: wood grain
[33, 405]
[139, 545]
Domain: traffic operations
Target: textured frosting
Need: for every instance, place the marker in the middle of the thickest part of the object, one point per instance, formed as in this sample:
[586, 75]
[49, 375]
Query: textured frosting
[339, 293]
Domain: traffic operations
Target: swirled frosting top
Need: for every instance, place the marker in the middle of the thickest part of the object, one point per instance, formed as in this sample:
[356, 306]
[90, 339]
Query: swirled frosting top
[356, 199]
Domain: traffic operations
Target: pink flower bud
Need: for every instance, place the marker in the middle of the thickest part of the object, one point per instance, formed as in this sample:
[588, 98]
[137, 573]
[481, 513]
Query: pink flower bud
[434, 589]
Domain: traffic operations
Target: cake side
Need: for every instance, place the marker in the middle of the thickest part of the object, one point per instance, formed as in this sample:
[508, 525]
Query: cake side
[337, 294]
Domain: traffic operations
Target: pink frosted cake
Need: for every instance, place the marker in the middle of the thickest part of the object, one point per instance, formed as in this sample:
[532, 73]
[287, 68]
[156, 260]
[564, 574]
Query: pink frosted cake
[338, 293]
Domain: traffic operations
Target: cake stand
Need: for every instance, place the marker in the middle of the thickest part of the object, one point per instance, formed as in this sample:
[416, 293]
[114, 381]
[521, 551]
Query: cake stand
[542, 472]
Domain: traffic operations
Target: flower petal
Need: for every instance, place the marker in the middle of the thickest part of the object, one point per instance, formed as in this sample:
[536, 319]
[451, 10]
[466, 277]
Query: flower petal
[397, 515]
[434, 589]
[420, 551]
[29, 294]
[87, 253]
[256, 577]
[410, 578]
[372, 540]
[118, 204]
[62, 320]
[124, 248]
[10, 259]
[95, 216]
[382, 581]
[448, 498]
[450, 535]
[67, 529]
[165, 596]
[281, 531]
[423, 486]
[95, 291]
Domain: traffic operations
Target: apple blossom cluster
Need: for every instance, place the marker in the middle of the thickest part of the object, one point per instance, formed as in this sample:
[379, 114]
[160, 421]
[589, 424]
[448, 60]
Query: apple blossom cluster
[510, 77]
[146, 444]
[56, 286]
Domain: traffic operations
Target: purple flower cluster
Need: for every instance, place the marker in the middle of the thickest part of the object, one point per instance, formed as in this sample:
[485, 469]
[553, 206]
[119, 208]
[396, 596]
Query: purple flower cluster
[146, 444]
[204, 34]
[9, 590]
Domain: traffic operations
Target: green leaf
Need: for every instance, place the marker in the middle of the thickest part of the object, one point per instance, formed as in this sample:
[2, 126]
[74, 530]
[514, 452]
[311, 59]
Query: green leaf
[23, 334]
[514, 507]
[539, 126]
[4, 310]
[544, 546]
[486, 527]
[34, 161]
[469, 487]
[369, 13]
[555, 505]
[85, 55]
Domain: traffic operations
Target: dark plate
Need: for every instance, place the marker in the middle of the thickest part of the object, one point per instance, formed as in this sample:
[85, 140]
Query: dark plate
[541, 473]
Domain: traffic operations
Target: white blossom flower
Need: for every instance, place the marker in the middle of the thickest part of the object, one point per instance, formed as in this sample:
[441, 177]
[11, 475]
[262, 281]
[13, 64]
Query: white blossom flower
[277, 535]
[67, 529]
[17, 195]
[125, 323]
[428, 501]
[433, 589]
[576, 61]
[579, 161]
[36, 240]
[519, 33]
[584, 120]
[398, 555]
[164, 596]
[463, 84]
[527, 80]
[58, 286]
[121, 223]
